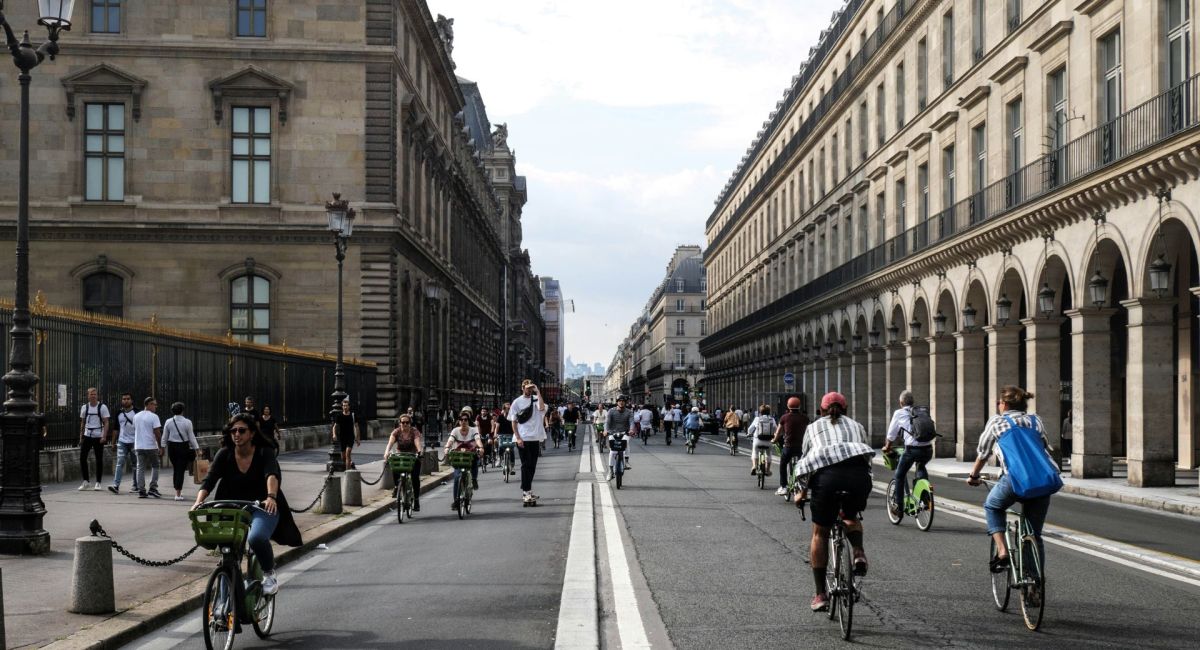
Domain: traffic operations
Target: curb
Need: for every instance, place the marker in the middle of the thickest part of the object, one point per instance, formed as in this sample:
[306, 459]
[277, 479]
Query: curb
[128, 625]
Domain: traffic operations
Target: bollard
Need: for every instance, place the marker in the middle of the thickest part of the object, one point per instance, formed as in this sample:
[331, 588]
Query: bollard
[429, 461]
[389, 481]
[351, 488]
[92, 577]
[331, 500]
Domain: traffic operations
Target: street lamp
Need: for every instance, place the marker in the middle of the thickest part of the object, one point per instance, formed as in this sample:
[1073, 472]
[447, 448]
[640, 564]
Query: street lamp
[841, 346]
[21, 506]
[968, 317]
[914, 329]
[1046, 300]
[433, 294]
[341, 224]
[1003, 309]
[939, 323]
[856, 340]
[873, 337]
[893, 334]
[1098, 289]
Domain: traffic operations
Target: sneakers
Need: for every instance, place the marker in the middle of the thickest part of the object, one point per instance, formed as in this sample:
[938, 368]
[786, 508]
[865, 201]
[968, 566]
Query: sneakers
[114, 489]
[142, 494]
[96, 487]
[860, 563]
[179, 497]
[454, 505]
[753, 471]
[83, 486]
[781, 492]
[417, 507]
[270, 584]
[474, 483]
[154, 493]
[820, 602]
[526, 497]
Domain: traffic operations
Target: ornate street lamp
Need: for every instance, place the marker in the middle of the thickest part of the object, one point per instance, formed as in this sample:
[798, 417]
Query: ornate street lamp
[1160, 268]
[21, 506]
[893, 334]
[1046, 300]
[939, 323]
[914, 329]
[856, 341]
[841, 346]
[873, 338]
[1098, 289]
[1003, 309]
[433, 295]
[968, 317]
[828, 348]
[341, 224]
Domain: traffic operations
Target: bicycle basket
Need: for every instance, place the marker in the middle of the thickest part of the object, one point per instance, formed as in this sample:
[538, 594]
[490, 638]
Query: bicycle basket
[506, 440]
[891, 459]
[402, 462]
[215, 527]
[460, 459]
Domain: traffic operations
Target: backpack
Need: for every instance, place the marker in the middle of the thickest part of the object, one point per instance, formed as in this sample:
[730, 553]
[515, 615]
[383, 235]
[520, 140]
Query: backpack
[766, 428]
[1031, 473]
[923, 429]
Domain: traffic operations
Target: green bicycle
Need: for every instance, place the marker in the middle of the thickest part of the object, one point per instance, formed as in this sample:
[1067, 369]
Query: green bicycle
[1024, 573]
[793, 485]
[918, 498]
[506, 456]
[462, 461]
[231, 598]
[761, 466]
[402, 466]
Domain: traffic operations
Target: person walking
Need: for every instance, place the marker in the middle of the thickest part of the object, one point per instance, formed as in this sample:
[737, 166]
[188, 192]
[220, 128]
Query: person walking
[269, 427]
[527, 414]
[406, 439]
[345, 433]
[123, 445]
[248, 408]
[179, 439]
[147, 432]
[790, 437]
[93, 433]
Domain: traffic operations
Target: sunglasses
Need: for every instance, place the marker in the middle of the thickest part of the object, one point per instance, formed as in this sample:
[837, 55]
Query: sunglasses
[240, 430]
[405, 421]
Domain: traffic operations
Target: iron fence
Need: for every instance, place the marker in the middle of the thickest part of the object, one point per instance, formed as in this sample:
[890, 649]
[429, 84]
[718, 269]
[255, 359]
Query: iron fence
[75, 351]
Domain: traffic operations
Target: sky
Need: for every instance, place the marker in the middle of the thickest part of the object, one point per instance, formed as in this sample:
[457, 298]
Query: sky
[627, 117]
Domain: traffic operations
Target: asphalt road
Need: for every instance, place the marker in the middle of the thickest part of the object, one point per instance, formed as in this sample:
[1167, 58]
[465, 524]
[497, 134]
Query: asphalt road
[714, 563]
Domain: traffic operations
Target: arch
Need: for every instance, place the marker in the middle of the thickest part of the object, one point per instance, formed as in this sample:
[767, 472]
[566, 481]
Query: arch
[1110, 255]
[1174, 243]
[920, 314]
[947, 308]
[976, 297]
[897, 323]
[1012, 287]
[1055, 275]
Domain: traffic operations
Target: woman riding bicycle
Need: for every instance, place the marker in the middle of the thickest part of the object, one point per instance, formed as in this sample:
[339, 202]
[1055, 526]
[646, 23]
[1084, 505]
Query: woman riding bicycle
[838, 456]
[762, 433]
[406, 439]
[504, 436]
[465, 437]
[248, 471]
[1010, 410]
[598, 418]
[692, 425]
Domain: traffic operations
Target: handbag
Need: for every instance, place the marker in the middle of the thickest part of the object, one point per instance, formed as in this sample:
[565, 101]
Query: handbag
[199, 470]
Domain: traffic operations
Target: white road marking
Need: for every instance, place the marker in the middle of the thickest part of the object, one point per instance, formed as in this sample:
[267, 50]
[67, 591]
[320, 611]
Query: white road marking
[585, 460]
[578, 618]
[631, 630]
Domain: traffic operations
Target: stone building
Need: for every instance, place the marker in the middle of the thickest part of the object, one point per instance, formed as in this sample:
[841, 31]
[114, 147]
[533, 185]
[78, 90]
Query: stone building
[554, 314]
[183, 153]
[952, 196]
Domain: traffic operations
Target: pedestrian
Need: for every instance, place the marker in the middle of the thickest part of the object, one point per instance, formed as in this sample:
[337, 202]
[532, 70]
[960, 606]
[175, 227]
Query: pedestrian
[179, 439]
[269, 427]
[1066, 436]
[346, 434]
[527, 414]
[248, 408]
[790, 436]
[406, 439]
[147, 434]
[123, 445]
[93, 433]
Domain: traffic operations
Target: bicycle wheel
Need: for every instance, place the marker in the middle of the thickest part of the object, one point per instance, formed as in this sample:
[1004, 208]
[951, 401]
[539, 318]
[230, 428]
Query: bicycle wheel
[845, 593]
[1000, 591]
[832, 577]
[401, 497]
[619, 471]
[762, 473]
[462, 494]
[925, 510]
[895, 515]
[1033, 587]
[219, 611]
[264, 616]
[507, 464]
[467, 505]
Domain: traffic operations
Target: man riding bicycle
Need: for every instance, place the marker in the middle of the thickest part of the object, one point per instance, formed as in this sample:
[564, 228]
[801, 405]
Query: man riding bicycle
[762, 433]
[598, 419]
[838, 458]
[915, 451]
[620, 419]
[790, 437]
[691, 426]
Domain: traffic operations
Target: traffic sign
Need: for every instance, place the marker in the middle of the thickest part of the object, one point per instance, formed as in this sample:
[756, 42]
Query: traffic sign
[789, 378]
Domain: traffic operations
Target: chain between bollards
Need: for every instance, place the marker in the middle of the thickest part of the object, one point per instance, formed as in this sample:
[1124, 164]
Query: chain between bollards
[310, 506]
[376, 481]
[99, 531]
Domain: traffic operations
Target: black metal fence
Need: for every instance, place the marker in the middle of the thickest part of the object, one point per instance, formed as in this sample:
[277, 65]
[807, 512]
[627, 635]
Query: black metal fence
[76, 351]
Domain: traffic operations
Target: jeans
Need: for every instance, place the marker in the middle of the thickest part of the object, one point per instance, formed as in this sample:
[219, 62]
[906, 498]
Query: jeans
[147, 459]
[126, 461]
[1002, 497]
[86, 446]
[262, 526]
[529, 455]
[786, 455]
[474, 475]
[912, 455]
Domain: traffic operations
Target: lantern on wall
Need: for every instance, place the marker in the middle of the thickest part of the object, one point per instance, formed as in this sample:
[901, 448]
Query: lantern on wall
[1003, 309]
[968, 317]
[1046, 300]
[939, 323]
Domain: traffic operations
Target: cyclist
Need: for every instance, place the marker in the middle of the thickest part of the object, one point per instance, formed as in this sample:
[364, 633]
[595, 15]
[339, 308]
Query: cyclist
[668, 421]
[645, 418]
[838, 458]
[248, 471]
[1011, 406]
[620, 419]
[405, 438]
[691, 426]
[676, 418]
[465, 437]
[915, 452]
[554, 425]
[487, 426]
[790, 438]
[504, 436]
[762, 434]
[598, 418]
[733, 424]
[573, 416]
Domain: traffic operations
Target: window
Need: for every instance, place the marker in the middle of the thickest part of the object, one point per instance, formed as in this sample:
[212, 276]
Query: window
[947, 50]
[1016, 136]
[901, 206]
[880, 116]
[833, 159]
[704, 328]
[251, 155]
[703, 288]
[104, 293]
[678, 285]
[862, 132]
[1178, 54]
[680, 357]
[252, 18]
[880, 218]
[862, 227]
[1110, 77]
[104, 152]
[679, 327]
[948, 169]
[106, 16]
[923, 188]
[1014, 15]
[679, 304]
[822, 171]
[1057, 121]
[922, 74]
[250, 308]
[979, 153]
[900, 95]
[978, 16]
[849, 146]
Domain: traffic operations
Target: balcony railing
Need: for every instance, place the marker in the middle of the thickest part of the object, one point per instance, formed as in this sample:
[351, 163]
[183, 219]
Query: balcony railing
[1148, 124]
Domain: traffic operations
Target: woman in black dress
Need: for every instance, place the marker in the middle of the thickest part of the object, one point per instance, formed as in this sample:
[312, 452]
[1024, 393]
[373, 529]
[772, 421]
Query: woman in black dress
[269, 427]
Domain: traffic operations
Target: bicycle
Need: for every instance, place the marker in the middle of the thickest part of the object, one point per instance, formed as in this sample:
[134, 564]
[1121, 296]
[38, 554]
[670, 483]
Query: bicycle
[601, 439]
[840, 581]
[462, 462]
[231, 597]
[918, 498]
[693, 436]
[555, 435]
[570, 437]
[617, 446]
[506, 457]
[1024, 571]
[401, 464]
[644, 434]
[731, 439]
[793, 484]
[761, 465]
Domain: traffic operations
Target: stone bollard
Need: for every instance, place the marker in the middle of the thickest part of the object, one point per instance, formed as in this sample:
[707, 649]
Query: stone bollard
[331, 500]
[351, 488]
[389, 481]
[429, 461]
[92, 577]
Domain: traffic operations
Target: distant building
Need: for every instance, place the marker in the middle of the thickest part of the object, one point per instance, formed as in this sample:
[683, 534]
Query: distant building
[553, 313]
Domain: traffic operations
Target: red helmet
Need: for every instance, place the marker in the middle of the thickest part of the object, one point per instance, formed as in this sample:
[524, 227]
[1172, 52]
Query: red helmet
[833, 398]
[793, 402]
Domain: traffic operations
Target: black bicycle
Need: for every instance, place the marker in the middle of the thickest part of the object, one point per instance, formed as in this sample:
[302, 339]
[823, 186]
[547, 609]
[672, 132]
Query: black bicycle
[231, 598]
[570, 437]
[1024, 573]
[840, 582]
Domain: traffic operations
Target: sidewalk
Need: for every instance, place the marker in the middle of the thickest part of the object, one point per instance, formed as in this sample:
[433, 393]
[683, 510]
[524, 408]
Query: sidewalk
[37, 589]
[1183, 498]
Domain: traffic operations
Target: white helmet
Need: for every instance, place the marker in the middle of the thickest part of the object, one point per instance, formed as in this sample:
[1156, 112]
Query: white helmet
[695, 409]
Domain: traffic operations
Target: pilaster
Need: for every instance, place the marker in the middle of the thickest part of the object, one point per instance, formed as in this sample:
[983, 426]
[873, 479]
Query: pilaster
[1043, 357]
[877, 400]
[897, 372]
[858, 391]
[1149, 413]
[971, 401]
[1004, 363]
[943, 393]
[917, 369]
[1091, 392]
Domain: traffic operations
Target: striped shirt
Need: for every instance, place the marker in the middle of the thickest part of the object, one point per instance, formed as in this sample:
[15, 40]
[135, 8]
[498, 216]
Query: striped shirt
[826, 443]
[999, 424]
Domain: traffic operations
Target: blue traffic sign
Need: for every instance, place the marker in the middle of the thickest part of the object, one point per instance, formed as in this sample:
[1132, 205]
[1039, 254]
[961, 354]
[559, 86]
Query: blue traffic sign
[789, 378]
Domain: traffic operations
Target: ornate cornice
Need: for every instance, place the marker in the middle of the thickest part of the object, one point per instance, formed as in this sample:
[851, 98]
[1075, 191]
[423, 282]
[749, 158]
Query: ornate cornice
[1051, 36]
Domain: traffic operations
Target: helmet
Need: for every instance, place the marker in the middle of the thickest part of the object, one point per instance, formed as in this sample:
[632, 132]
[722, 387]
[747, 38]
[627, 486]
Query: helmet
[833, 398]
[793, 402]
[622, 398]
[695, 409]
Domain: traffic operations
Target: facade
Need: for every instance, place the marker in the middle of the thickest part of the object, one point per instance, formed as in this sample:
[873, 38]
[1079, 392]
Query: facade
[954, 196]
[185, 151]
[554, 315]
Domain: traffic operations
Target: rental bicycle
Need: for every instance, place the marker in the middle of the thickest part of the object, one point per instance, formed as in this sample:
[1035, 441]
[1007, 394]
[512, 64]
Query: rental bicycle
[601, 439]
[401, 465]
[462, 461]
[616, 457]
[841, 584]
[556, 435]
[506, 456]
[231, 598]
[793, 484]
[1024, 573]
[570, 436]
[731, 439]
[693, 437]
[918, 498]
[761, 466]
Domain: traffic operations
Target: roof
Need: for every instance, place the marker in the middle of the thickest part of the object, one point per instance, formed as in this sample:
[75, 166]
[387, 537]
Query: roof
[475, 115]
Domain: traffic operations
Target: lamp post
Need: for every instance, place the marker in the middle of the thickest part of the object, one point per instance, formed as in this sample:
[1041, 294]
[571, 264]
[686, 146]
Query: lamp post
[1046, 300]
[21, 506]
[341, 224]
[497, 335]
[433, 294]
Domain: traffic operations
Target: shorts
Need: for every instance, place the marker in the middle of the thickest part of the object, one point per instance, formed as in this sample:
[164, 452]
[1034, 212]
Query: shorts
[852, 476]
[345, 442]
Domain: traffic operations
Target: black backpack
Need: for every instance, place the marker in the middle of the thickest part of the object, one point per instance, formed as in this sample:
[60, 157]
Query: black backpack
[923, 428]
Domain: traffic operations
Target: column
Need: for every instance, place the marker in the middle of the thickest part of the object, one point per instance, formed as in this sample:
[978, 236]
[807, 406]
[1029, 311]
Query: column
[1149, 415]
[896, 373]
[831, 373]
[859, 399]
[970, 400]
[1004, 363]
[943, 386]
[917, 369]
[877, 399]
[817, 367]
[1043, 355]
[1091, 393]
[843, 384]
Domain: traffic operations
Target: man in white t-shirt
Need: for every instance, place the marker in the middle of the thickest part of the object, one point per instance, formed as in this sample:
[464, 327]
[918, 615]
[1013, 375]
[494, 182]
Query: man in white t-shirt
[527, 414]
[147, 436]
[668, 420]
[93, 433]
[123, 444]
